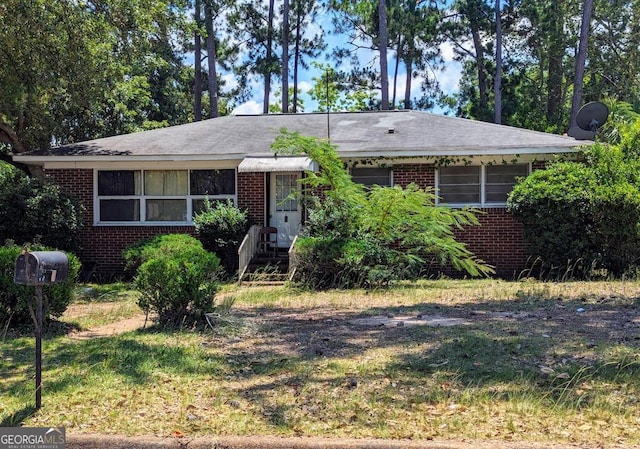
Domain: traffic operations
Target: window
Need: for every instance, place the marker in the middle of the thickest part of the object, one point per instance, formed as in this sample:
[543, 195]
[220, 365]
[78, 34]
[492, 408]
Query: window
[500, 180]
[165, 195]
[371, 176]
[121, 191]
[459, 185]
[152, 196]
[218, 185]
[478, 184]
[286, 187]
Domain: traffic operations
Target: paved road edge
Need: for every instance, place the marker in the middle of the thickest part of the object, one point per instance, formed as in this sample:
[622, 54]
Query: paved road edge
[86, 441]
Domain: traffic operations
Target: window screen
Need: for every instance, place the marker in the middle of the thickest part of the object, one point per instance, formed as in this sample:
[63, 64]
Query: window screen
[500, 180]
[119, 183]
[370, 176]
[459, 185]
[165, 182]
[120, 210]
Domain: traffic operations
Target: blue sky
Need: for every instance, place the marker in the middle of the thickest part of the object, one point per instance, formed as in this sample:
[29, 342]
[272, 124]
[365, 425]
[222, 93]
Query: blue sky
[448, 78]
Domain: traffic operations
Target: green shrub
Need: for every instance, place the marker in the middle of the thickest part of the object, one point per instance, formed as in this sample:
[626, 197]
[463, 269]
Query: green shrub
[34, 211]
[171, 244]
[221, 228]
[15, 299]
[583, 214]
[357, 237]
[175, 276]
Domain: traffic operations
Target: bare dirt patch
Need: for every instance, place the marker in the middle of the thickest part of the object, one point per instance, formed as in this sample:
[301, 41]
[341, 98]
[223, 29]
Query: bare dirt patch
[599, 323]
[104, 319]
[111, 329]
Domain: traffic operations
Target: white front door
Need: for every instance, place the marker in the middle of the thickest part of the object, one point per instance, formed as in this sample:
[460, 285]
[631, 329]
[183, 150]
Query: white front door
[285, 213]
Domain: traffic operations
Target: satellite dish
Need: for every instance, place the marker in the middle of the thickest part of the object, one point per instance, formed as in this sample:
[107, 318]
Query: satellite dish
[592, 115]
[580, 134]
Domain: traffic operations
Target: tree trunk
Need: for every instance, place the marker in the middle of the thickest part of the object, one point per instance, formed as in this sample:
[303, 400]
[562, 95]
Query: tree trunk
[395, 72]
[296, 56]
[267, 69]
[285, 56]
[197, 82]
[10, 137]
[383, 36]
[497, 84]
[408, 62]
[482, 74]
[581, 58]
[212, 83]
[556, 57]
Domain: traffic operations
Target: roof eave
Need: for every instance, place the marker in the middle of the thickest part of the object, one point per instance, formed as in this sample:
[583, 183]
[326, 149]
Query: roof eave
[459, 152]
[38, 160]
[371, 153]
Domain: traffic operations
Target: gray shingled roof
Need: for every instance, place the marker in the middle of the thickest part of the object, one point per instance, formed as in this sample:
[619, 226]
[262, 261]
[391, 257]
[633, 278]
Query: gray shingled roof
[365, 134]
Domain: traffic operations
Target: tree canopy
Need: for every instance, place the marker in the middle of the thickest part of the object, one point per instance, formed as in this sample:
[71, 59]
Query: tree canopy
[71, 71]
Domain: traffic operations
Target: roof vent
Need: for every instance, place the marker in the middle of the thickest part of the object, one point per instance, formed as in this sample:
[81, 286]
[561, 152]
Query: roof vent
[391, 131]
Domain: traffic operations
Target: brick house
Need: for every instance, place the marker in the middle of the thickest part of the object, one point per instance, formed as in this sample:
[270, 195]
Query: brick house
[137, 185]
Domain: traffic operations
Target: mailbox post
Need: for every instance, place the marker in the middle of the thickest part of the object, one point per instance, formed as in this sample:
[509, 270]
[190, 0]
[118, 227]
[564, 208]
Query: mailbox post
[40, 268]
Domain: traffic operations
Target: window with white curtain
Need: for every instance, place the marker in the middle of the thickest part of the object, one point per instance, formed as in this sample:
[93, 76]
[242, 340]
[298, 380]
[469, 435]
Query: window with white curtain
[154, 196]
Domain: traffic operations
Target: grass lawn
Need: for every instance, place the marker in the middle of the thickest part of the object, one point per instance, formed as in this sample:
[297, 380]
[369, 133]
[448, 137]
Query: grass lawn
[475, 360]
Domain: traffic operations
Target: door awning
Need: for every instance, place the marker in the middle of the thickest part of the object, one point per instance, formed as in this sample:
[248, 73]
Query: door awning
[277, 164]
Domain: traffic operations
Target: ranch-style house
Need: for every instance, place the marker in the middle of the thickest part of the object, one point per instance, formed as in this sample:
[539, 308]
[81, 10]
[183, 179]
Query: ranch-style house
[137, 185]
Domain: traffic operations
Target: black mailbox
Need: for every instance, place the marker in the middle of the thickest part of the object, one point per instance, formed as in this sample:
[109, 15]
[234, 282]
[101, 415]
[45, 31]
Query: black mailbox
[41, 268]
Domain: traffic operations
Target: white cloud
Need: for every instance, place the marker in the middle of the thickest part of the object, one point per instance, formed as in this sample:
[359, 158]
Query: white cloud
[449, 77]
[229, 81]
[446, 50]
[250, 107]
[304, 86]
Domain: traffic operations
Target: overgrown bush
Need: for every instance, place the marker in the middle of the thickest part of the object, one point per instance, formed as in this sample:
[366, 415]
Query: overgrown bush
[34, 211]
[221, 227]
[15, 299]
[327, 262]
[176, 277]
[369, 238]
[585, 214]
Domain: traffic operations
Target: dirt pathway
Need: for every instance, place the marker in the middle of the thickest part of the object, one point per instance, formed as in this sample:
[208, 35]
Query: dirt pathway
[111, 329]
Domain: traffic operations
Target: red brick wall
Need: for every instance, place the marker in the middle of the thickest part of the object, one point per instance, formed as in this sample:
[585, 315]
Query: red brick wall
[498, 241]
[251, 195]
[79, 183]
[422, 175]
[101, 247]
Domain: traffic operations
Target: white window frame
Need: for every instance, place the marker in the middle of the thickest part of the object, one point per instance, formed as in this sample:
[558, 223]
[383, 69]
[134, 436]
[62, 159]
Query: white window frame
[483, 184]
[142, 198]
